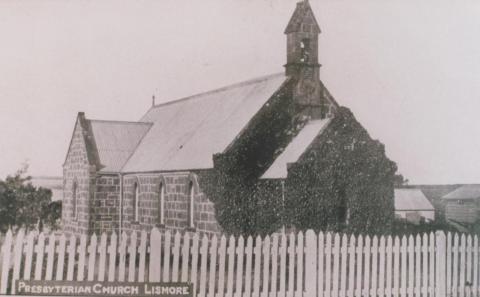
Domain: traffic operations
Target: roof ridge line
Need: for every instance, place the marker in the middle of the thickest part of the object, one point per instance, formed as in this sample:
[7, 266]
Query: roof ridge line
[234, 85]
[120, 122]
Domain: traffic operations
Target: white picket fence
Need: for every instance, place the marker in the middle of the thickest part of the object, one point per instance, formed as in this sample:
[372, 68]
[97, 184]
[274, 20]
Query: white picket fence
[294, 265]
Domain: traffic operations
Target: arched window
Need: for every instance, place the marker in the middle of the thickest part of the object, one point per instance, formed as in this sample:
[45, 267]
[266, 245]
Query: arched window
[74, 200]
[191, 201]
[305, 50]
[136, 192]
[161, 204]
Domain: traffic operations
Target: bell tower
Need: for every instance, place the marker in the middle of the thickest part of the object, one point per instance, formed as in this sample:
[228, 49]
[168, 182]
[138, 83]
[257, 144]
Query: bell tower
[302, 42]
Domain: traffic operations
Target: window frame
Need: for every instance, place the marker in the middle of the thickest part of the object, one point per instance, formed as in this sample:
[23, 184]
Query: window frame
[161, 203]
[136, 201]
[75, 200]
[191, 205]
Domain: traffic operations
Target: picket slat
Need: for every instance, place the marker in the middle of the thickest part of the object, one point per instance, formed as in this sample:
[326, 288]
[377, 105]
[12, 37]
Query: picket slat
[203, 266]
[92, 254]
[283, 266]
[72, 250]
[102, 251]
[381, 269]
[39, 251]
[176, 257]
[343, 268]
[239, 266]
[230, 266]
[81, 257]
[366, 265]
[411, 265]
[336, 263]
[328, 265]
[166, 256]
[358, 291]
[185, 257]
[389, 255]
[112, 252]
[374, 285]
[476, 265]
[310, 264]
[321, 267]
[17, 258]
[122, 254]
[132, 254]
[469, 264]
[248, 266]
[462, 250]
[418, 265]
[351, 267]
[299, 265]
[274, 272]
[50, 257]
[6, 253]
[142, 250]
[396, 267]
[431, 249]
[194, 252]
[61, 257]
[266, 265]
[403, 268]
[425, 265]
[221, 266]
[213, 266]
[291, 265]
[449, 264]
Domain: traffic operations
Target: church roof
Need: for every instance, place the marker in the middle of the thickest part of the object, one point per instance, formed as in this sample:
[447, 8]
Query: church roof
[411, 199]
[302, 13]
[187, 133]
[116, 141]
[295, 149]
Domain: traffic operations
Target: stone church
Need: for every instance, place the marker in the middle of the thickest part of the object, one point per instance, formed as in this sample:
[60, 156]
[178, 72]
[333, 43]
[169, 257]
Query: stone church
[126, 176]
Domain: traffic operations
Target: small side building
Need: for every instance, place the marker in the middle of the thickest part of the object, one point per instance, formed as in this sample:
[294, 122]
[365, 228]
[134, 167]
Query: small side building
[412, 205]
[463, 204]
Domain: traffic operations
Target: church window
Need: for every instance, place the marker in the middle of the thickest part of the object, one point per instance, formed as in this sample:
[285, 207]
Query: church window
[74, 200]
[136, 194]
[191, 202]
[161, 204]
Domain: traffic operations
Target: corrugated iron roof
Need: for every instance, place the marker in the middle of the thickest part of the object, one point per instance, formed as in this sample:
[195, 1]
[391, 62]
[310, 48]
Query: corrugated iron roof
[187, 133]
[464, 192]
[295, 148]
[411, 199]
[116, 141]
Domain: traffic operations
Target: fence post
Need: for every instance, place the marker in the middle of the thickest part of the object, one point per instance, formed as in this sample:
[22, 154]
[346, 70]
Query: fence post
[440, 243]
[311, 264]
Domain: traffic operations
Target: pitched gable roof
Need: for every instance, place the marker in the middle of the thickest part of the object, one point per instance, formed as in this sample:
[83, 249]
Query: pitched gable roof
[411, 199]
[116, 141]
[464, 192]
[187, 133]
[302, 12]
[299, 144]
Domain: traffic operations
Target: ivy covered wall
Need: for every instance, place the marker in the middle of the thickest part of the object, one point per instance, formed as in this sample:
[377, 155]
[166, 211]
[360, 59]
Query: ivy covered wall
[343, 182]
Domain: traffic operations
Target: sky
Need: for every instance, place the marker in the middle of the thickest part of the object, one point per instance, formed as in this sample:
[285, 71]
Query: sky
[409, 70]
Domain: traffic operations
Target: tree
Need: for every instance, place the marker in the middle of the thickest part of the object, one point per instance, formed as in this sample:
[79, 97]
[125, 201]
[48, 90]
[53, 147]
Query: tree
[24, 206]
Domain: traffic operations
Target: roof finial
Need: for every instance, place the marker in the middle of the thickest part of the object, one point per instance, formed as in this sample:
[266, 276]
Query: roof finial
[153, 100]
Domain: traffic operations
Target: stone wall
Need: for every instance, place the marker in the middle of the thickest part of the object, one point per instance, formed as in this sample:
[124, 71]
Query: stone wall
[106, 204]
[176, 199]
[77, 170]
